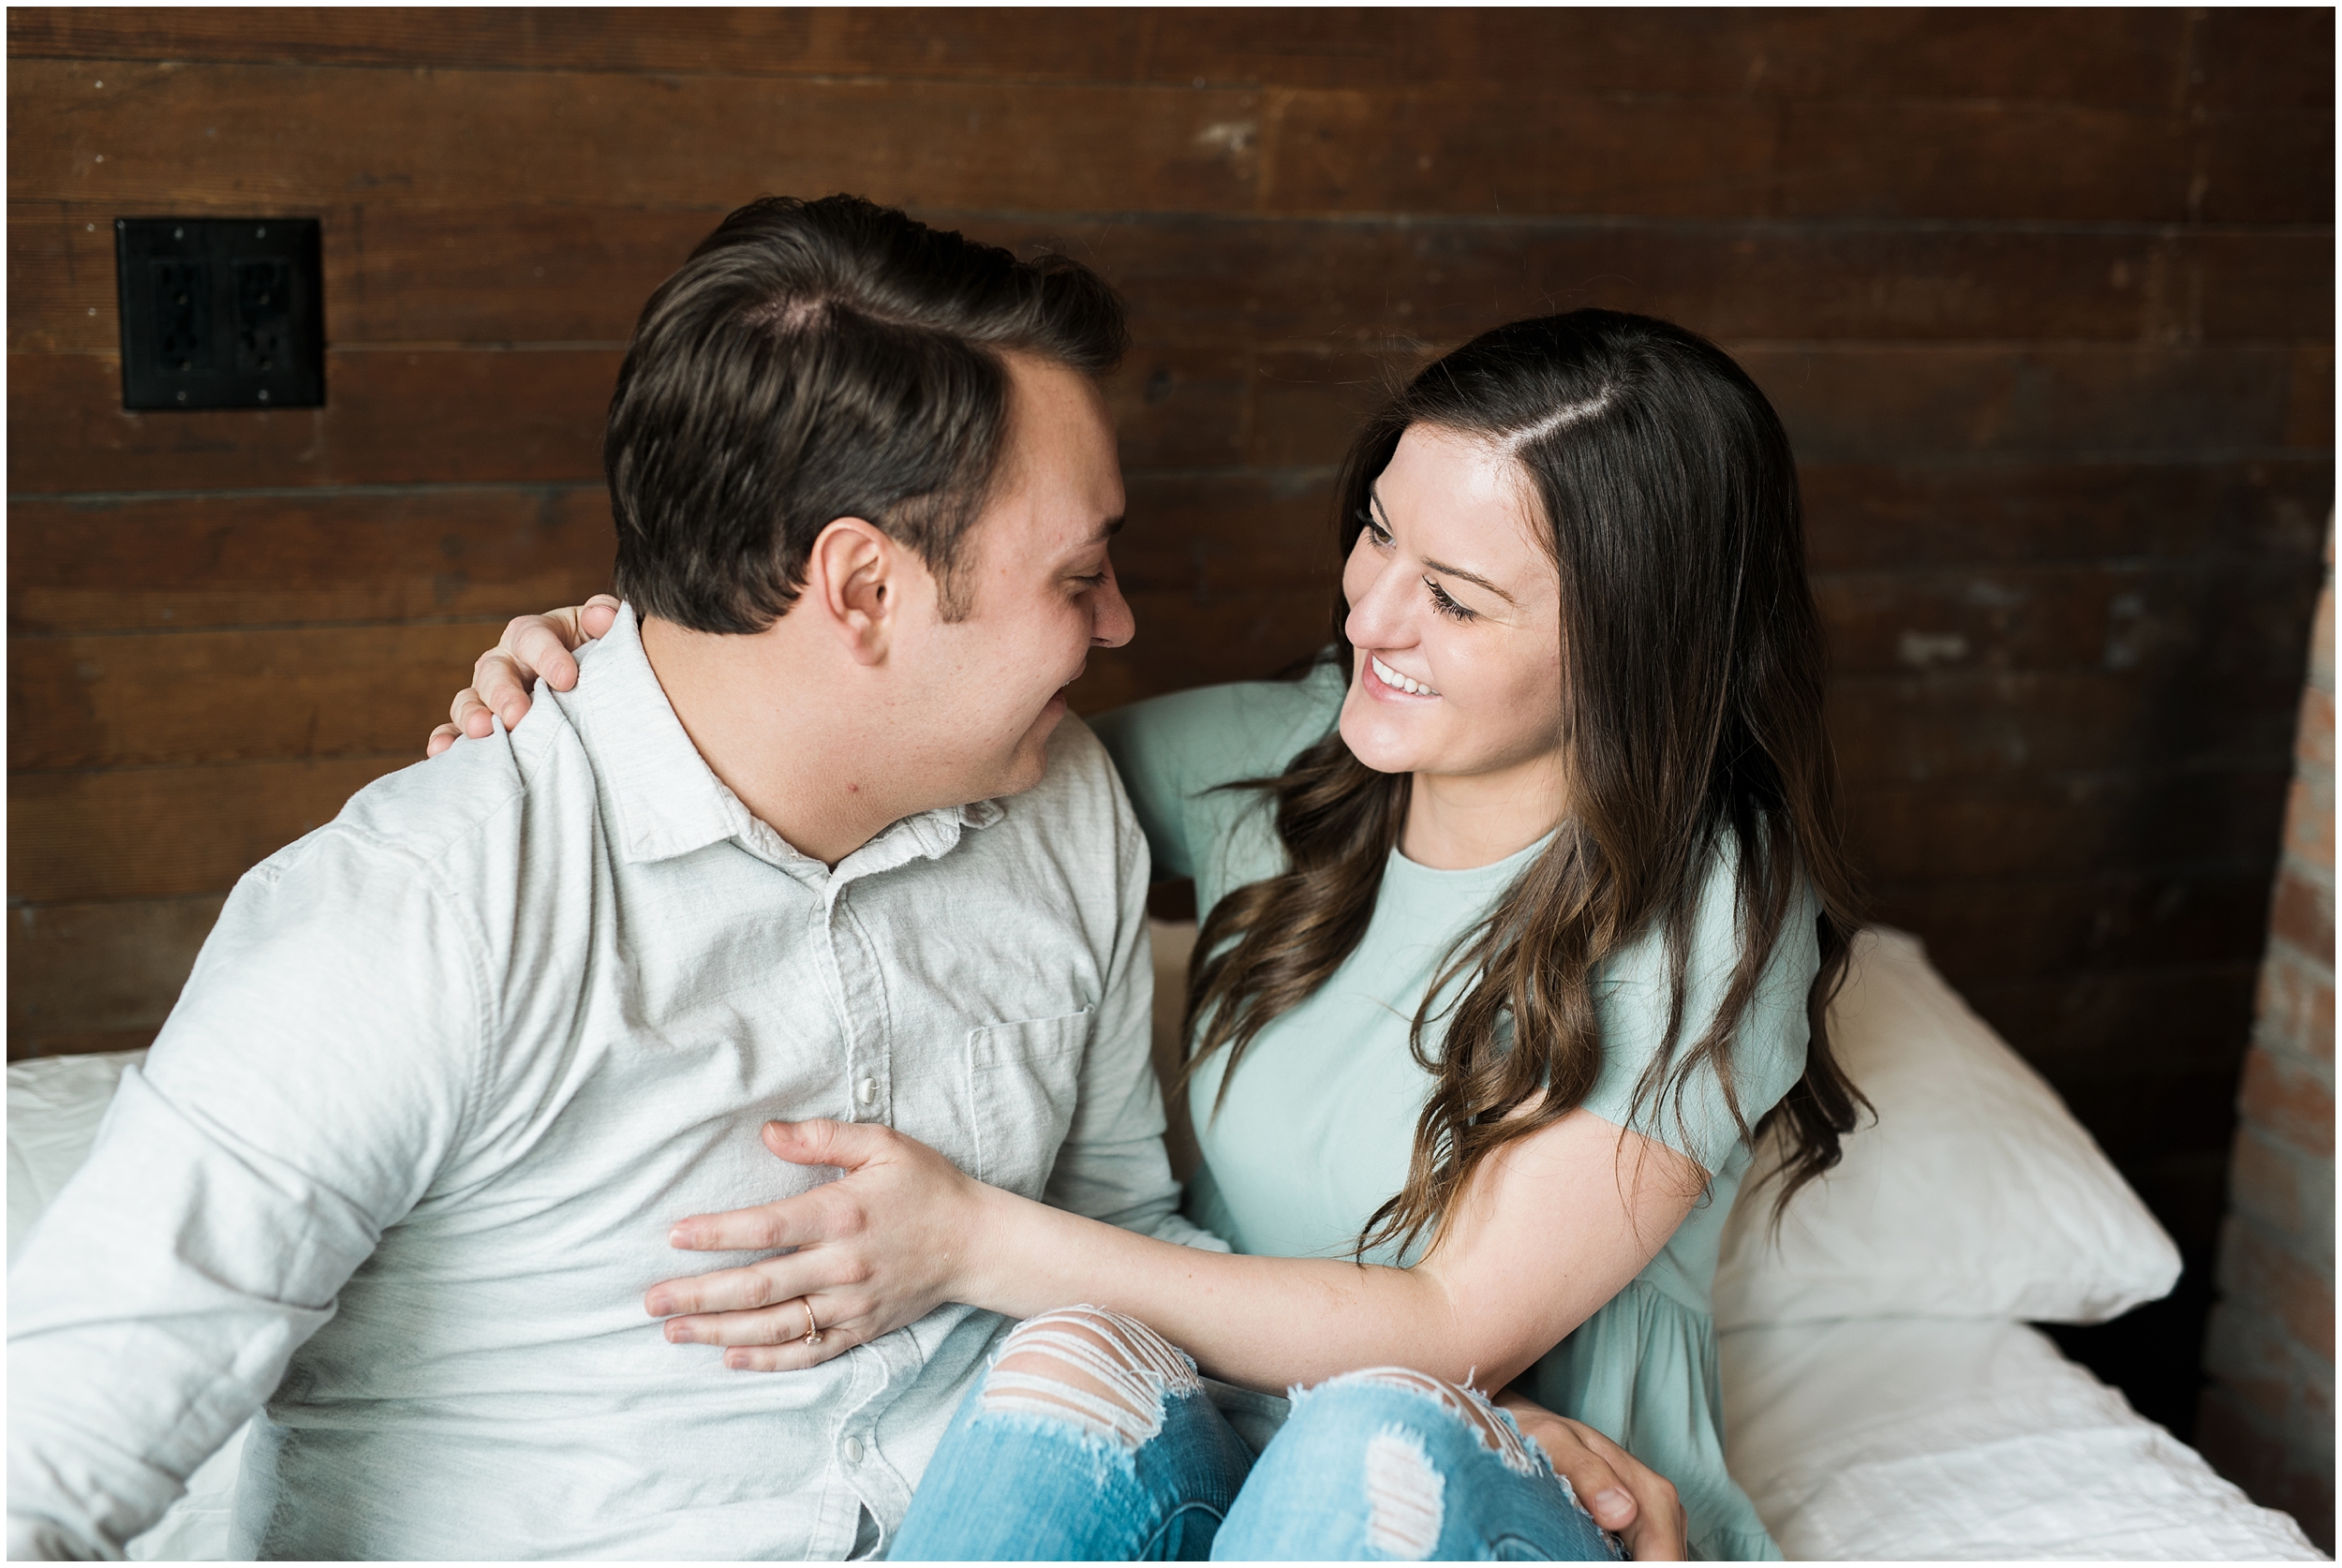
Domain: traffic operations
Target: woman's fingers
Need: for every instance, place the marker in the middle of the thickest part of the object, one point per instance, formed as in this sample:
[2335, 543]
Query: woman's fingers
[531, 647]
[732, 1290]
[1597, 1486]
[765, 1228]
[541, 644]
[1618, 1484]
[772, 1338]
[794, 1355]
[774, 1325]
[466, 715]
[865, 1278]
[499, 684]
[1625, 1496]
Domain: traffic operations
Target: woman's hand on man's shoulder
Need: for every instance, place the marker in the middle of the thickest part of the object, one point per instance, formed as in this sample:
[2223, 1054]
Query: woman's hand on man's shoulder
[531, 647]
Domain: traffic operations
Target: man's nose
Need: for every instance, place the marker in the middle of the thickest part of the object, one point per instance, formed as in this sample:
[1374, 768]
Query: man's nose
[1111, 622]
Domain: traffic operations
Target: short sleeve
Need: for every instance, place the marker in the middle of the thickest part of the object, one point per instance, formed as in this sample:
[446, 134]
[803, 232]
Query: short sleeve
[1768, 1051]
[1174, 753]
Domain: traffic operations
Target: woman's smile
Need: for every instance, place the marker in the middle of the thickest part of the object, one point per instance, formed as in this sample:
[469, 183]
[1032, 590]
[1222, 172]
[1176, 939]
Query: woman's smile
[1393, 684]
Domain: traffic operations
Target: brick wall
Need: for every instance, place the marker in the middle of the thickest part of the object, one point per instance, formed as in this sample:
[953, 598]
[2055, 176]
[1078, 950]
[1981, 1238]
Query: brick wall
[2267, 1420]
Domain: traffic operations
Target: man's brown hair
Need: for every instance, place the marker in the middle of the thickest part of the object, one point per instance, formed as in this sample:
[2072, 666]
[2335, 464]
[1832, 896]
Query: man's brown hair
[817, 360]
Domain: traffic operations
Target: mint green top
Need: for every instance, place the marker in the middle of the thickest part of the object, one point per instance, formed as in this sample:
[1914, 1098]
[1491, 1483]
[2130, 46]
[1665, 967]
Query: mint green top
[1315, 1131]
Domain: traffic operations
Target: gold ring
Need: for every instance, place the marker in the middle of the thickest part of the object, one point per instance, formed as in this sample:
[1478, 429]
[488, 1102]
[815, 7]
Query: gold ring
[812, 1328]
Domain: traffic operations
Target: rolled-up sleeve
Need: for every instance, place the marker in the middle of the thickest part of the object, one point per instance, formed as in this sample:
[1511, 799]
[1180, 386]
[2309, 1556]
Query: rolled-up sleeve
[314, 1076]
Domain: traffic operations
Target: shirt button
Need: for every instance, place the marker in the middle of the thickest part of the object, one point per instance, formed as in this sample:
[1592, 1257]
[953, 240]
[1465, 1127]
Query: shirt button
[854, 1451]
[866, 1090]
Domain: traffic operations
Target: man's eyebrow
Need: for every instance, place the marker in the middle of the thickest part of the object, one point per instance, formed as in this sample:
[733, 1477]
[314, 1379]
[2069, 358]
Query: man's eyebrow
[1104, 532]
[1375, 496]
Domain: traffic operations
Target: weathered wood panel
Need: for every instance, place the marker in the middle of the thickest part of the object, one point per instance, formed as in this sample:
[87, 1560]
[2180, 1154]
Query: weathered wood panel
[173, 832]
[290, 138]
[474, 416]
[2127, 59]
[2058, 925]
[1087, 44]
[2045, 297]
[2089, 1025]
[450, 415]
[235, 695]
[232, 559]
[100, 976]
[2178, 822]
[469, 416]
[2134, 59]
[400, 273]
[1958, 727]
[1867, 515]
[293, 138]
[2165, 618]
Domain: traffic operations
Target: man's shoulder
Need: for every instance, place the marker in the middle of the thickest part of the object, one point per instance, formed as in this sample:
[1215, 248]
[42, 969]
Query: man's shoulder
[473, 803]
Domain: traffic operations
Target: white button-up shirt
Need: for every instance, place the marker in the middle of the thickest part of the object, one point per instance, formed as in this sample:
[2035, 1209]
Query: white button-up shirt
[400, 1164]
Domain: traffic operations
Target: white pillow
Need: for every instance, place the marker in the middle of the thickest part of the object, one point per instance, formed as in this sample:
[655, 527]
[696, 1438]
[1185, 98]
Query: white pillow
[54, 1107]
[1975, 1195]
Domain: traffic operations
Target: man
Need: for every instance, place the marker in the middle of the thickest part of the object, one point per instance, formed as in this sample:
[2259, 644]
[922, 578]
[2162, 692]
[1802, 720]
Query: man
[805, 838]
[402, 1162]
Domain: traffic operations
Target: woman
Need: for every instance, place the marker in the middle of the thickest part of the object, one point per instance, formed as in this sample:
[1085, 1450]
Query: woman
[1520, 916]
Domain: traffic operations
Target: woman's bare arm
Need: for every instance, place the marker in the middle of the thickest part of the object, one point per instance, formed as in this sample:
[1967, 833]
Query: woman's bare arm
[1548, 1230]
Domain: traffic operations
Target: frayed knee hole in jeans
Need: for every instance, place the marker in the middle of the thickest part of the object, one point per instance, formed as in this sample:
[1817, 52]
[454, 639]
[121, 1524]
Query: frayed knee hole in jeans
[1497, 1434]
[1102, 1374]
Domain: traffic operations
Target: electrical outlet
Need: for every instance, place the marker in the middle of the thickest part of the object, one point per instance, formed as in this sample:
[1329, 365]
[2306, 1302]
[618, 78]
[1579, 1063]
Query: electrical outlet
[264, 315]
[221, 313]
[183, 315]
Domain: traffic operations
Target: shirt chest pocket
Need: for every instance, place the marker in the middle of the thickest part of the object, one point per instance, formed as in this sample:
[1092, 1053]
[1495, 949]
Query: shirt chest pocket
[1022, 1082]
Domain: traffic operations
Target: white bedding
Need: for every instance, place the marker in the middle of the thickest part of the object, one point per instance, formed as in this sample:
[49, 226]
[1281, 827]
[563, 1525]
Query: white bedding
[1883, 1438]
[1928, 1439]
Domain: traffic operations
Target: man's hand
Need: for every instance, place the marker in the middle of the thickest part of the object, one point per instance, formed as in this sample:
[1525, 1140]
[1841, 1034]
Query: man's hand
[532, 646]
[1625, 1496]
[872, 1252]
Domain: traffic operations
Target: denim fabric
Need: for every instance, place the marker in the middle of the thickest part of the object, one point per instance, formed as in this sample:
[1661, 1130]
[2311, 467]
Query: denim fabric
[1017, 1486]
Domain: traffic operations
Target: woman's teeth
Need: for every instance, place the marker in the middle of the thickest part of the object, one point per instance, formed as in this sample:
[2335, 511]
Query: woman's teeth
[1392, 677]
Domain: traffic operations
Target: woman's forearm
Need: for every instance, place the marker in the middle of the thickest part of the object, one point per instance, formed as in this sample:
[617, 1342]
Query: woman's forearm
[1261, 1322]
[1548, 1230]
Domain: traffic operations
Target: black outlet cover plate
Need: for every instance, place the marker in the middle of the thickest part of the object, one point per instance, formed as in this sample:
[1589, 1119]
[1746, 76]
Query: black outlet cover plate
[221, 313]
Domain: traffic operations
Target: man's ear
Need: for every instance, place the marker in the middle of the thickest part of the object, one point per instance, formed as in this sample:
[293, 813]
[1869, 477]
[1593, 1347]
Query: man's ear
[853, 584]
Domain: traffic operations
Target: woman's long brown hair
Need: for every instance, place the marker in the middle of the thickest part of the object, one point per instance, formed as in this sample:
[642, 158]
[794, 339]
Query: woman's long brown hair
[1694, 661]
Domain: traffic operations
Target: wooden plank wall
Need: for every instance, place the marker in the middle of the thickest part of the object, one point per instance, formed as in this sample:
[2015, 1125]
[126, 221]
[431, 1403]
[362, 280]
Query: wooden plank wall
[2046, 300]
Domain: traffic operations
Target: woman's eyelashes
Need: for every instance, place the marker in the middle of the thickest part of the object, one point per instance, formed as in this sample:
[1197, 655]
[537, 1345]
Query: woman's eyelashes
[1380, 538]
[1446, 606]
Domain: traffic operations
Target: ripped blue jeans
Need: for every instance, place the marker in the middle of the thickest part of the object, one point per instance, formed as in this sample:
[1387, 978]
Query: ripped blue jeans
[1091, 1439]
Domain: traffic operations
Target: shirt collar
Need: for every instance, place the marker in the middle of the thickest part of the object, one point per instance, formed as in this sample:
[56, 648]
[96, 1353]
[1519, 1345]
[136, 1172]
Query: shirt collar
[670, 802]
